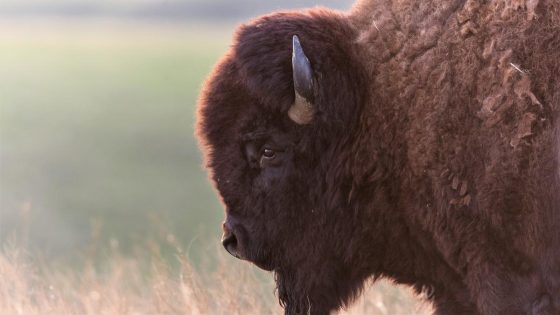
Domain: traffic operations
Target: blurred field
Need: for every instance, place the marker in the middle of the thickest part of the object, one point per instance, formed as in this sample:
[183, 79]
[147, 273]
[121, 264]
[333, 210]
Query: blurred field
[101, 181]
[97, 129]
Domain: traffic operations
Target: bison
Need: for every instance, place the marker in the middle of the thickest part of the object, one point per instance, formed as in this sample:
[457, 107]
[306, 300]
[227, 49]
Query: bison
[412, 140]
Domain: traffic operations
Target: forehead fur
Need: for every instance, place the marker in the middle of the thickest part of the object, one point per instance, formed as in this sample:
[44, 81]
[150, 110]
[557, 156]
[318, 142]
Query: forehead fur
[263, 50]
[254, 79]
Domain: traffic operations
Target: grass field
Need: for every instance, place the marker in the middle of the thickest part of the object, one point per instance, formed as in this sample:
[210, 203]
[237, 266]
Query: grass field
[101, 181]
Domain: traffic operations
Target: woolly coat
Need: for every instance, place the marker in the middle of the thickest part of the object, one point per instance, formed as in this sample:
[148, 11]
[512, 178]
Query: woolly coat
[432, 158]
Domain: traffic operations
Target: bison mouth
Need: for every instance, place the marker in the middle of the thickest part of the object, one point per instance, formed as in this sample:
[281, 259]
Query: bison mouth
[258, 258]
[264, 264]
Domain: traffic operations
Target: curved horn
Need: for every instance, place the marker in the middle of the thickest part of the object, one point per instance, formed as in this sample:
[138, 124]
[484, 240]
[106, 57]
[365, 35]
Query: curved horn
[302, 110]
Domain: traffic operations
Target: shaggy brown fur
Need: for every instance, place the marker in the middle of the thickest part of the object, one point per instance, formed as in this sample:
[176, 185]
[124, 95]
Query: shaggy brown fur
[432, 157]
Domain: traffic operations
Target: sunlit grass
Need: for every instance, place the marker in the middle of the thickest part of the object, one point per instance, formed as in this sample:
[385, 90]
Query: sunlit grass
[123, 286]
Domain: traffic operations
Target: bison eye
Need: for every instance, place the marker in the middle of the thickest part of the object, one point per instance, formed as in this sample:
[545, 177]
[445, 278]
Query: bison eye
[268, 153]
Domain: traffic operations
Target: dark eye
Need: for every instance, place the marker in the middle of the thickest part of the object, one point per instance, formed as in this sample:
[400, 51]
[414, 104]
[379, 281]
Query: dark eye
[268, 153]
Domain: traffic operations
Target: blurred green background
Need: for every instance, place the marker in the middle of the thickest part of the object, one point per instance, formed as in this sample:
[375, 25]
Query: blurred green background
[97, 103]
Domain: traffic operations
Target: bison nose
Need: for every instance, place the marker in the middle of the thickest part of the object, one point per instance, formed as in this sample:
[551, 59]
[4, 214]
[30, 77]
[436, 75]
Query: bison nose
[230, 244]
[229, 241]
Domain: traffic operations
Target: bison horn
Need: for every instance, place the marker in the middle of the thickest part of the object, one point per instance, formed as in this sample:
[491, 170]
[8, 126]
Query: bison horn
[302, 110]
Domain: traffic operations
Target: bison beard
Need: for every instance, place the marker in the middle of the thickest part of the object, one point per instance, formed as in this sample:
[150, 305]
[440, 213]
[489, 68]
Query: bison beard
[414, 140]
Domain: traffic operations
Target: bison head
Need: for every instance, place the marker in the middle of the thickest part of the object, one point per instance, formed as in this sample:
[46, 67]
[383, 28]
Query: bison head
[277, 120]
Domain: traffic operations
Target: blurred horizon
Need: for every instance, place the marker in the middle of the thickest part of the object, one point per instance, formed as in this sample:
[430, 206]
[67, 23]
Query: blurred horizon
[178, 10]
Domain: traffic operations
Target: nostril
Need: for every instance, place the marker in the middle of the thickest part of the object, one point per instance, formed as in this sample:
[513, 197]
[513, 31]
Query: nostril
[229, 241]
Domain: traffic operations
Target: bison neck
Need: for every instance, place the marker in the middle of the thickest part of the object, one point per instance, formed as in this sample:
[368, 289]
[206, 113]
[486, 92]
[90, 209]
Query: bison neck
[450, 117]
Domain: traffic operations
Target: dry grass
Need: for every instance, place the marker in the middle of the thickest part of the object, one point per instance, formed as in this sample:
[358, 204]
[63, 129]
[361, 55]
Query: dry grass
[123, 286]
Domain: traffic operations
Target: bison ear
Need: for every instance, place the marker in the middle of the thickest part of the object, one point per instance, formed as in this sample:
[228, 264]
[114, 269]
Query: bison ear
[302, 110]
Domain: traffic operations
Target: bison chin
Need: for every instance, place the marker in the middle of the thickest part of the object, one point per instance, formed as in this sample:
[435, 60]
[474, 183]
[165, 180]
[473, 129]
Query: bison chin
[317, 291]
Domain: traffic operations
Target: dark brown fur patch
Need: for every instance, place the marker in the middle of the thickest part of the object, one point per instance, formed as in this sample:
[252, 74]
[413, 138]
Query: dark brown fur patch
[432, 158]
